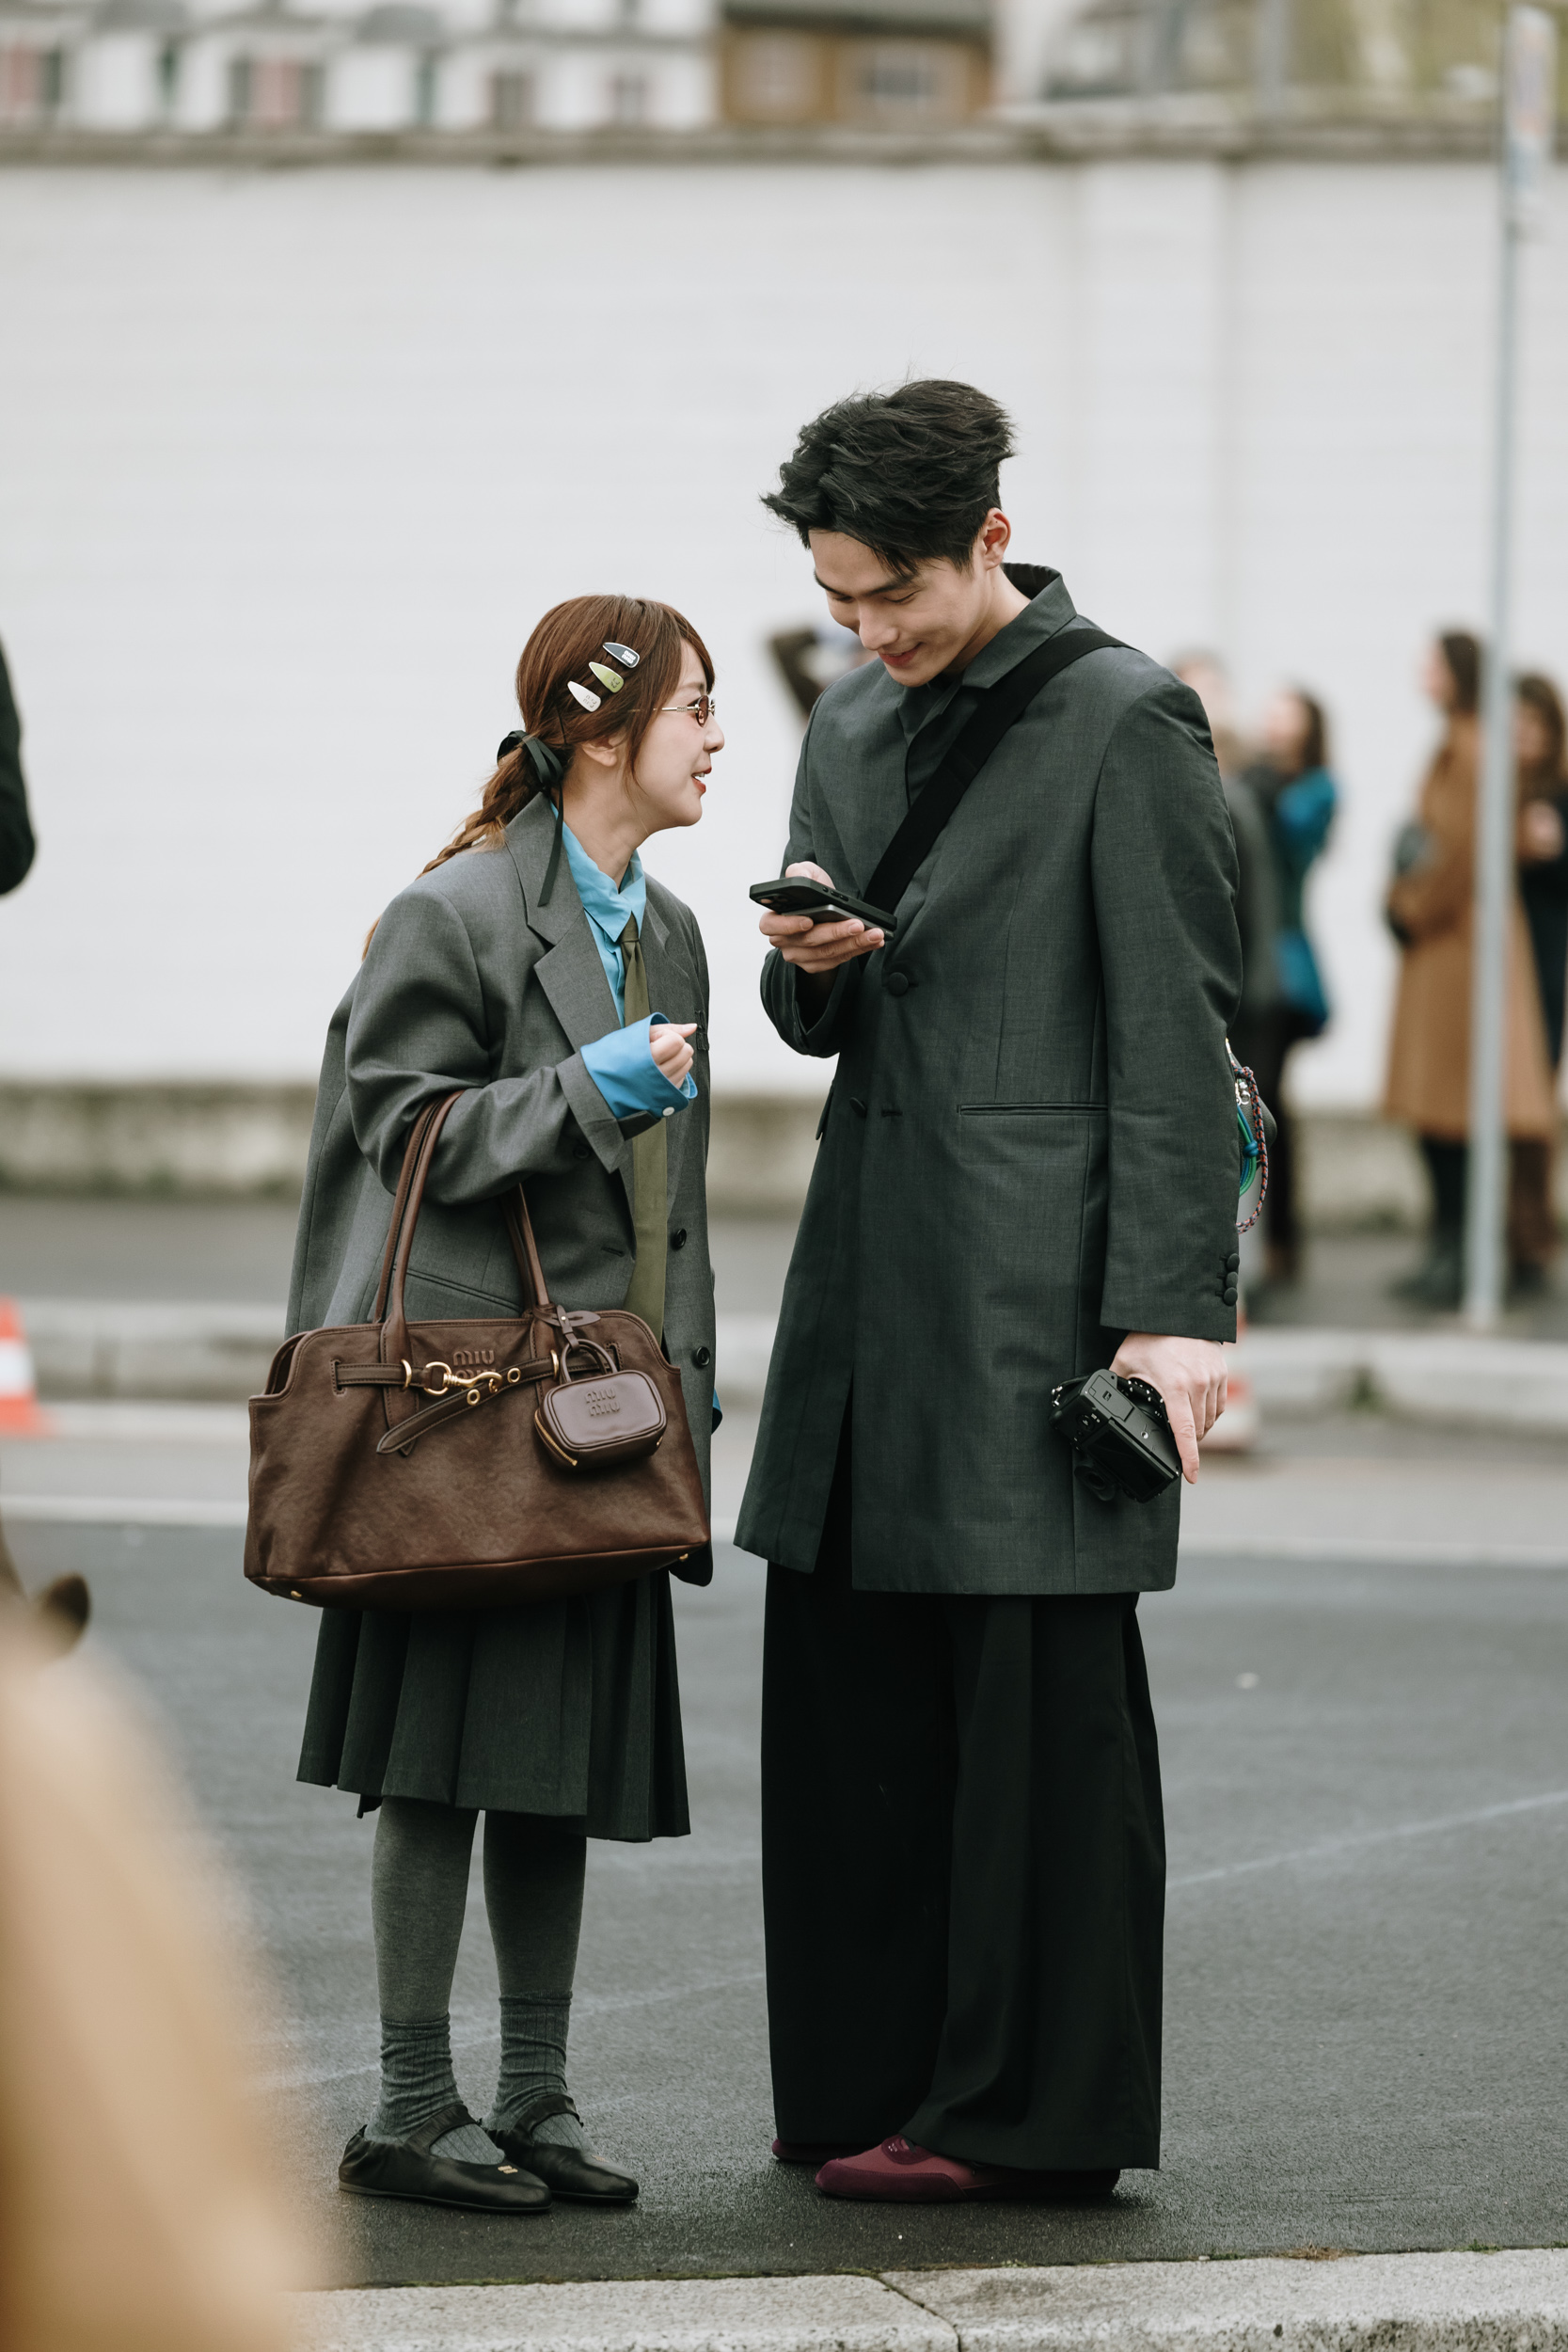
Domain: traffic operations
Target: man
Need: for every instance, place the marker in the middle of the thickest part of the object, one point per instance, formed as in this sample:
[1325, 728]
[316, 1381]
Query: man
[1027, 1170]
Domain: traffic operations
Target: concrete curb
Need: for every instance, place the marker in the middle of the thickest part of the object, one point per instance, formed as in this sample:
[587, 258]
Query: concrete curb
[1458, 2302]
[143, 1348]
[1425, 1375]
[132, 1348]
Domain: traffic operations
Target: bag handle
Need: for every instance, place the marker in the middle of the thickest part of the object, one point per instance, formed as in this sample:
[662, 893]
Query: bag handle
[400, 1204]
[1000, 706]
[418, 1152]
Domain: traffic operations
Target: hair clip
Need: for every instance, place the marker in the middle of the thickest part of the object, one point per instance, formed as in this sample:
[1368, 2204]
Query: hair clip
[611, 678]
[622, 654]
[581, 694]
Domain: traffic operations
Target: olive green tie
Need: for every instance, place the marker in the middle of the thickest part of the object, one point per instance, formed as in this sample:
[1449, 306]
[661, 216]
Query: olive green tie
[650, 1164]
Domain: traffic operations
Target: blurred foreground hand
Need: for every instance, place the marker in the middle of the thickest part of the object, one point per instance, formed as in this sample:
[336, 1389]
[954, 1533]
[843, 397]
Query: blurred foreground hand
[138, 2212]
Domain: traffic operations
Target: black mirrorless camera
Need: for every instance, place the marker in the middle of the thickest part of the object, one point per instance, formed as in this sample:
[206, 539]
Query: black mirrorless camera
[1121, 1438]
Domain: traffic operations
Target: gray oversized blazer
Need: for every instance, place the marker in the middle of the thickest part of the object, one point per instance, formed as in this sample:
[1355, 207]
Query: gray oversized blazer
[470, 982]
[1030, 1146]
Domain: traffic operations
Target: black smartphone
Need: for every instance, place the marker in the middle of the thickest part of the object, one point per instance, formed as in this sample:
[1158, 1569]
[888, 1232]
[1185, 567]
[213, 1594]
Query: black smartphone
[796, 894]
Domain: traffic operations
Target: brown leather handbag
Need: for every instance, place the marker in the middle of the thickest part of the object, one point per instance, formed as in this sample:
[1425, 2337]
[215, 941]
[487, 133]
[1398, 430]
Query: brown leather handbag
[473, 1464]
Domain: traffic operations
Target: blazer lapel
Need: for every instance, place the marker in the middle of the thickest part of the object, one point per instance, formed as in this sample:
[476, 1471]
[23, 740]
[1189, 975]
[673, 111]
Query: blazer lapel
[669, 982]
[1049, 611]
[870, 813]
[570, 972]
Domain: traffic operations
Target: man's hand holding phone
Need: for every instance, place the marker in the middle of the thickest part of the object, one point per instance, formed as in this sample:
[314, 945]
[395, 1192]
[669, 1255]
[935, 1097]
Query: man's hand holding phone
[817, 950]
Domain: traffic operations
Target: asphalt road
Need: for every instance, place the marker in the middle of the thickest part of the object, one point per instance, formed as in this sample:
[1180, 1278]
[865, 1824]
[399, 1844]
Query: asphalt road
[1367, 1781]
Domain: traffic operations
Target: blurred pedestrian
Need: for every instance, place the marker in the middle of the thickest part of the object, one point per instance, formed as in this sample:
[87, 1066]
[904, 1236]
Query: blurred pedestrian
[16, 831]
[1429, 907]
[143, 2206]
[1206, 674]
[1540, 747]
[16, 857]
[1296, 795]
[811, 659]
[533, 964]
[1256, 1032]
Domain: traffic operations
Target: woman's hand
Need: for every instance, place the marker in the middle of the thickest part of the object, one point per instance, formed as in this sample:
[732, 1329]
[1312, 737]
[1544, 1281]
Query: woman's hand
[1190, 1374]
[668, 1042]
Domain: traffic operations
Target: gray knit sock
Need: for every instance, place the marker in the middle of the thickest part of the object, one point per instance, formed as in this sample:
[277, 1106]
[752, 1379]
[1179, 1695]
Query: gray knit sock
[534, 2059]
[419, 1890]
[417, 2082]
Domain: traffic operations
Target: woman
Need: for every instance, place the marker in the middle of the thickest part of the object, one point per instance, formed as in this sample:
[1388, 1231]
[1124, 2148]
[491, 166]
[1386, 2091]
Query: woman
[533, 964]
[1541, 748]
[1297, 797]
[1430, 908]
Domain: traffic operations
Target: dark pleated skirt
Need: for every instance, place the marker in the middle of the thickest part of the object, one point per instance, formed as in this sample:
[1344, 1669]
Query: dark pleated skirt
[569, 1708]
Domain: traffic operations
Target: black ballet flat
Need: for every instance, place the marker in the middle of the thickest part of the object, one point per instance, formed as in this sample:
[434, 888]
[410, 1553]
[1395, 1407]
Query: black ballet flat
[571, 2173]
[405, 2168]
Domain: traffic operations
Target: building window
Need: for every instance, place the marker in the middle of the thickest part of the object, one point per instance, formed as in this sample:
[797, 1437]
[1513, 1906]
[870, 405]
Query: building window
[628, 100]
[32, 84]
[512, 100]
[905, 81]
[275, 93]
[776, 77]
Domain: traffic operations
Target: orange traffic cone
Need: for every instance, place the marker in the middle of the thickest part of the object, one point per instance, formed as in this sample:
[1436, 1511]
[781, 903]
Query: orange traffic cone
[1237, 1426]
[18, 1400]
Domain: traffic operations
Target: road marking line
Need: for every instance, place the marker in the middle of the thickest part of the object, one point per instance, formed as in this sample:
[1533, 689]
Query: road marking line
[1354, 1840]
[123, 1510]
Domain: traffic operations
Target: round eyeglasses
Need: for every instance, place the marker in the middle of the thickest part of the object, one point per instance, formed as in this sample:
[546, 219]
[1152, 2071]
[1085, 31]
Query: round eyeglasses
[702, 709]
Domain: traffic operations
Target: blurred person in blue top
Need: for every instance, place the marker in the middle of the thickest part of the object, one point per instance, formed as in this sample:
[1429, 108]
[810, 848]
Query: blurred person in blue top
[1296, 796]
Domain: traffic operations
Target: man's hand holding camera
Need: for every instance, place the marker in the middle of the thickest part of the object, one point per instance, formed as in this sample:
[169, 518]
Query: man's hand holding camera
[1190, 1374]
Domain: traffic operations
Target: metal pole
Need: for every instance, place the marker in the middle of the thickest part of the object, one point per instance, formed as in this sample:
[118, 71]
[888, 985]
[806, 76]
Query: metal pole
[1529, 104]
[1483, 1237]
[1272, 69]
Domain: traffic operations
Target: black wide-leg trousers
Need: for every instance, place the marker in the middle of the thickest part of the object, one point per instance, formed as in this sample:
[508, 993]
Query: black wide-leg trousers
[963, 1869]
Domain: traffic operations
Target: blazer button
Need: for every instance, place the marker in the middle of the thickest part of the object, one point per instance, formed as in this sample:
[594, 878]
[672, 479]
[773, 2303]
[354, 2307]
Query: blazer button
[701, 1357]
[1230, 1295]
[896, 983]
[580, 1152]
[855, 1105]
[1233, 1262]
[677, 1241]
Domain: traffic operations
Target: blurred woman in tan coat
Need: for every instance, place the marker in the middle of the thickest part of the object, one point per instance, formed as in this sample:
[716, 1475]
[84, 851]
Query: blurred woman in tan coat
[1430, 909]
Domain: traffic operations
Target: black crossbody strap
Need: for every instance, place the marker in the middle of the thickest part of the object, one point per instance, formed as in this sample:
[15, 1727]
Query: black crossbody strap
[1003, 702]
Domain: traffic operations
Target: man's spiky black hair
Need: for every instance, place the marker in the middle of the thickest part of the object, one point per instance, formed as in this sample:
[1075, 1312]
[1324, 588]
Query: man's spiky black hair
[912, 474]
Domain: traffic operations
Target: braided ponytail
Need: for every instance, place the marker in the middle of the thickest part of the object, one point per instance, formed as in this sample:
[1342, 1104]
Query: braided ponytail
[511, 788]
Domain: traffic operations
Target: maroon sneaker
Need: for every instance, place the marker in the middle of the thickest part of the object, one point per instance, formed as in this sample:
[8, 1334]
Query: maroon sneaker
[897, 2174]
[812, 2152]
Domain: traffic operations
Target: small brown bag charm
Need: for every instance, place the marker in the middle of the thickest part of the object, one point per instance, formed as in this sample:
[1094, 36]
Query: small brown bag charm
[611, 1415]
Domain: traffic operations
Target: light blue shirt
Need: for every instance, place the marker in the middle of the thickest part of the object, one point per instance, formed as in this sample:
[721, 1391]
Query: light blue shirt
[620, 1063]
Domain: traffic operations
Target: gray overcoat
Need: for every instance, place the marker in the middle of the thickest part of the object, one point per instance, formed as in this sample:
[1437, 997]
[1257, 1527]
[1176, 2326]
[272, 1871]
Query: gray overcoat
[1030, 1146]
[470, 982]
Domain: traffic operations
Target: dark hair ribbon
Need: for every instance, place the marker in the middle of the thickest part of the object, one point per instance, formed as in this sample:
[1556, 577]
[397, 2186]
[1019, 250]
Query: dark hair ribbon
[551, 769]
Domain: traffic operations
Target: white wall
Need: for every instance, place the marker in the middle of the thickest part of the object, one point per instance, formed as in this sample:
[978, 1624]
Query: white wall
[263, 578]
